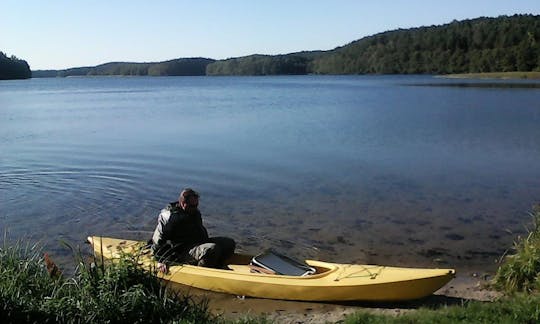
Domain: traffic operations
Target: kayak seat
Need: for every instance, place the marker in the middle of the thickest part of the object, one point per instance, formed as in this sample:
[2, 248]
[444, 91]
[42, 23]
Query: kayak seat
[273, 262]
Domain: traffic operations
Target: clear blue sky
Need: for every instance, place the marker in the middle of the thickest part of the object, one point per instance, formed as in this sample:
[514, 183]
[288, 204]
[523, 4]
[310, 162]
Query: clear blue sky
[58, 34]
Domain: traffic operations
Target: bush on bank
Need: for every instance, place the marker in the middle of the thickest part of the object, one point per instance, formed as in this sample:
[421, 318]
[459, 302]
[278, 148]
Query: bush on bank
[520, 270]
[118, 293]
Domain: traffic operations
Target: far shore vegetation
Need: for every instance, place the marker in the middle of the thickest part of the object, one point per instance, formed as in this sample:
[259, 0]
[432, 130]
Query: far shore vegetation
[504, 44]
[13, 68]
[496, 75]
[34, 291]
[483, 44]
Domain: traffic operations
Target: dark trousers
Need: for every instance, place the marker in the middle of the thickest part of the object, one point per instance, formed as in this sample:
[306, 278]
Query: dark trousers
[212, 253]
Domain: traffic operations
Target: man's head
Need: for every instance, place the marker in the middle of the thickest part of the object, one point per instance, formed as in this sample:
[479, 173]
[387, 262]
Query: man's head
[189, 200]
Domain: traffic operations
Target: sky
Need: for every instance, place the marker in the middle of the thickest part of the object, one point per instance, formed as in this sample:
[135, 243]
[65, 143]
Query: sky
[59, 34]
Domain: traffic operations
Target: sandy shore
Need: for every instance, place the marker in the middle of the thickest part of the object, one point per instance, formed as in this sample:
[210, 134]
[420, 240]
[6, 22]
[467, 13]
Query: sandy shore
[468, 285]
[495, 75]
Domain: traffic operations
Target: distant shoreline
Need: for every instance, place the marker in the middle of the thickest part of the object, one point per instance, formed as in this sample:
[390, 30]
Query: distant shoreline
[494, 75]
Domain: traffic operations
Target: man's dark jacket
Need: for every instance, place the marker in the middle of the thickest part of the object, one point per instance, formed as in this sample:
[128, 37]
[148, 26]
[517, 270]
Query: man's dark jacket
[177, 231]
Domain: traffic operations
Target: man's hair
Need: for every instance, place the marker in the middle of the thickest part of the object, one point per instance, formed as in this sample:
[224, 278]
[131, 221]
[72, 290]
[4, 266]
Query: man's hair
[186, 193]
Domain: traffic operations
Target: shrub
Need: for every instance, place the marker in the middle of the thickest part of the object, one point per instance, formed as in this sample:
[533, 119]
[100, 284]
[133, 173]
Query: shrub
[120, 292]
[521, 270]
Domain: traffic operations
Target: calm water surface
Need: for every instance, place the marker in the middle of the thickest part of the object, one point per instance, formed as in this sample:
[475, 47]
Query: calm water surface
[375, 169]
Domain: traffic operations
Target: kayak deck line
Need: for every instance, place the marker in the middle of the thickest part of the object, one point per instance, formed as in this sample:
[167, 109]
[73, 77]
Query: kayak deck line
[364, 269]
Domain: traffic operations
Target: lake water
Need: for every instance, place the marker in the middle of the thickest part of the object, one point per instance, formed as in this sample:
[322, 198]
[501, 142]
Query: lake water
[401, 170]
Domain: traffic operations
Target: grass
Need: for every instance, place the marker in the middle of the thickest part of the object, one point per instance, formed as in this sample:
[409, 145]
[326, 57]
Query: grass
[118, 293]
[521, 308]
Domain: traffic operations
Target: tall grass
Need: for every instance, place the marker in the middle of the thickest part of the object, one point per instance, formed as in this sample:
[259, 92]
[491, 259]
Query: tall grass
[520, 270]
[117, 293]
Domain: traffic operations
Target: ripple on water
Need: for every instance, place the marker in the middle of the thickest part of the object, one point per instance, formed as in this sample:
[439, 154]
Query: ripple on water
[356, 172]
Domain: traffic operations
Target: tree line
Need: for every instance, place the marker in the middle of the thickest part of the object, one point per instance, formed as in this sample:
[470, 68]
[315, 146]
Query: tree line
[260, 65]
[13, 68]
[502, 44]
[177, 67]
[478, 45]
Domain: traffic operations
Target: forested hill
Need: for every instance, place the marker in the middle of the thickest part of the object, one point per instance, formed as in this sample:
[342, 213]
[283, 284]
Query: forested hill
[478, 45]
[13, 68]
[291, 64]
[182, 66]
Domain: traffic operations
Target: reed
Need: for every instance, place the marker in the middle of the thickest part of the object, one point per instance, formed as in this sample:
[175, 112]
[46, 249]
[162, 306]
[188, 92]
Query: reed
[520, 270]
[120, 292]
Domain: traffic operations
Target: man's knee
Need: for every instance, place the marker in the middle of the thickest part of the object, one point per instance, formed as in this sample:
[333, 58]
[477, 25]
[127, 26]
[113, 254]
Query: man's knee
[199, 251]
[206, 255]
[227, 245]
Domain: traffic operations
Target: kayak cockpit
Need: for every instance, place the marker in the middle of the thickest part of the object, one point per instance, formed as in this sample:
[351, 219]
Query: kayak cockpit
[277, 264]
[250, 269]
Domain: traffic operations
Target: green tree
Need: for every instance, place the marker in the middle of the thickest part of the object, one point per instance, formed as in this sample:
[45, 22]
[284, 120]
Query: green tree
[13, 68]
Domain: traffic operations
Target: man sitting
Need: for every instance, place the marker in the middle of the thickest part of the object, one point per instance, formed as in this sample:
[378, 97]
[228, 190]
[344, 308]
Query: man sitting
[180, 236]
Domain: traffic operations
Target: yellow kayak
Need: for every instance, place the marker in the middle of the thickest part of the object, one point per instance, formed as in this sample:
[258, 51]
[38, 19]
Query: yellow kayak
[330, 282]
